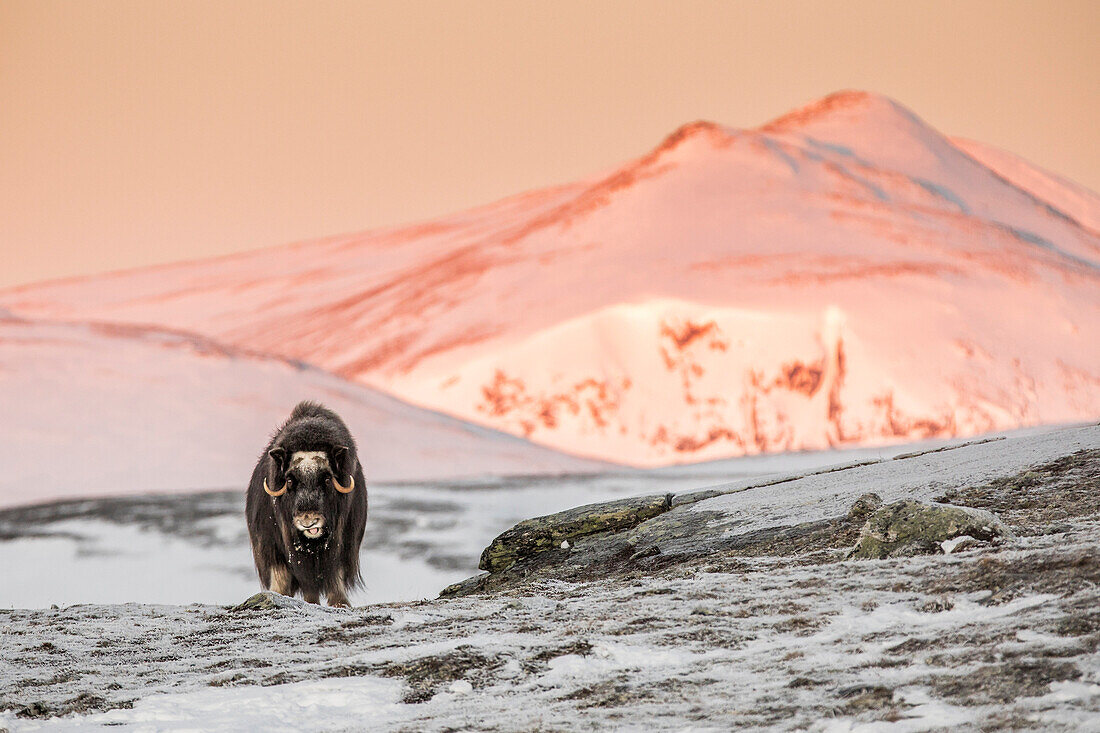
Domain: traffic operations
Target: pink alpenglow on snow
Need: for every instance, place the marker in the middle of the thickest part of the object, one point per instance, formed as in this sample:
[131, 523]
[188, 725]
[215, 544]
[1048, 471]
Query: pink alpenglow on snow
[101, 409]
[842, 275]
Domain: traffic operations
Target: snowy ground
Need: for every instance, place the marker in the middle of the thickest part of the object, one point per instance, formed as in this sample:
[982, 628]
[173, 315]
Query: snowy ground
[997, 638]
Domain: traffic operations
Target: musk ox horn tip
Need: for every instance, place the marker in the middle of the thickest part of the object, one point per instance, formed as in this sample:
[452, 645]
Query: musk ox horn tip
[280, 492]
[344, 490]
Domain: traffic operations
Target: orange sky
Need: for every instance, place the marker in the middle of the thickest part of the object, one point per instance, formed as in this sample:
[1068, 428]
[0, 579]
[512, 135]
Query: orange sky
[143, 131]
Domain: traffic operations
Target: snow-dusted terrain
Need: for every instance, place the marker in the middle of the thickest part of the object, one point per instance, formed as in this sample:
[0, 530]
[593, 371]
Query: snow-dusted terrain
[767, 634]
[843, 275]
[94, 409]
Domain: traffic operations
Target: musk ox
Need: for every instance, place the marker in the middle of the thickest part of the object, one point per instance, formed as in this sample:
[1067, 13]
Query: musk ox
[307, 508]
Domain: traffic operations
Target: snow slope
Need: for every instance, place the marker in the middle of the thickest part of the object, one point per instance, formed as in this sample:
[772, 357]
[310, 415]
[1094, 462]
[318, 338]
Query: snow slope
[101, 409]
[843, 275]
[1071, 198]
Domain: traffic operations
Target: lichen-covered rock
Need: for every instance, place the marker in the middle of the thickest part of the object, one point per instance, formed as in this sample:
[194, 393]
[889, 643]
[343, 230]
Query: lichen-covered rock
[913, 528]
[864, 506]
[536, 535]
[267, 601]
[465, 587]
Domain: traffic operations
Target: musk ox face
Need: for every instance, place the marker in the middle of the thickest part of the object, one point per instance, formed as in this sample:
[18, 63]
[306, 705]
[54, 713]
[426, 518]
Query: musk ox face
[310, 488]
[307, 508]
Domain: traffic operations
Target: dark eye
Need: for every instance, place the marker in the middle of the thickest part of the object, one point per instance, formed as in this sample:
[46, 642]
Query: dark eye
[290, 482]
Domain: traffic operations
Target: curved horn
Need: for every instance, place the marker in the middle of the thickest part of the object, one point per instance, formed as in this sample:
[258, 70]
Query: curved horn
[350, 487]
[280, 492]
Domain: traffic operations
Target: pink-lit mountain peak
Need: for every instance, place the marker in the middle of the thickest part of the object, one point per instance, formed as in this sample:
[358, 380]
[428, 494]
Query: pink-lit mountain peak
[843, 274]
[856, 149]
[848, 122]
[841, 115]
[846, 110]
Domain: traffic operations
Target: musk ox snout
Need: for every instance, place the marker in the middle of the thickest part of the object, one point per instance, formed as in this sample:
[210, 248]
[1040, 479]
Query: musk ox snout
[311, 524]
[311, 509]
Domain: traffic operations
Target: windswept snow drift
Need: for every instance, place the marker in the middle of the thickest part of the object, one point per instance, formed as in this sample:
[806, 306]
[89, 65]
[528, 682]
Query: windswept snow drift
[843, 275]
[98, 409]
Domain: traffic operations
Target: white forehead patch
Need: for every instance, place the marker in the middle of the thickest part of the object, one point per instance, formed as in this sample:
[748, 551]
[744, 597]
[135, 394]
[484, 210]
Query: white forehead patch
[308, 461]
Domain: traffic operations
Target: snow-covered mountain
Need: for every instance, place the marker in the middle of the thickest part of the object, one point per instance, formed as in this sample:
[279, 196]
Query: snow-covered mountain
[102, 409]
[842, 275]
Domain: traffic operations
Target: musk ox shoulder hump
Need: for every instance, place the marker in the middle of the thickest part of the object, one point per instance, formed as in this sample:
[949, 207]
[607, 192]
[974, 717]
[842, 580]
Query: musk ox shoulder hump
[306, 409]
[312, 427]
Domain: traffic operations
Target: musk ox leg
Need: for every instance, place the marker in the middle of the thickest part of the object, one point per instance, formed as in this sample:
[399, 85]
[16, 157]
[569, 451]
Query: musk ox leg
[311, 596]
[281, 581]
[334, 590]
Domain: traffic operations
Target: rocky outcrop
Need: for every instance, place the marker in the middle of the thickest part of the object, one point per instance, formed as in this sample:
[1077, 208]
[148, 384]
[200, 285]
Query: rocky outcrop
[267, 601]
[643, 535]
[914, 528]
[563, 528]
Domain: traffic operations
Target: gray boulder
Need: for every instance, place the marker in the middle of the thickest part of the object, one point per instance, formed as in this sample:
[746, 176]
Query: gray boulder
[915, 528]
[267, 601]
[533, 536]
